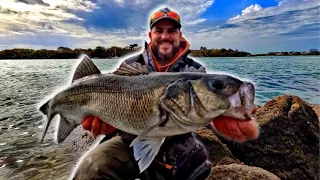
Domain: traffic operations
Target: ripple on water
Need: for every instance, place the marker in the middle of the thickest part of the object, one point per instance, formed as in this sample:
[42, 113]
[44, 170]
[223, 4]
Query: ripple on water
[316, 89]
[59, 162]
[265, 78]
[4, 118]
[25, 84]
[269, 84]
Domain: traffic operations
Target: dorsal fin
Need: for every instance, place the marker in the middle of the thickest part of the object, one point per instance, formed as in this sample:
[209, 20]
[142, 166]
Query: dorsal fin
[85, 68]
[132, 69]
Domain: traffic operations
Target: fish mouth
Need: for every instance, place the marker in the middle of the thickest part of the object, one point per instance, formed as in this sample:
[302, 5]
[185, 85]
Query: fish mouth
[242, 103]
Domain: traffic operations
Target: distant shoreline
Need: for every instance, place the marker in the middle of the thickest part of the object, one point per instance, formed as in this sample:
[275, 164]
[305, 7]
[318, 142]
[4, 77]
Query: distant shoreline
[108, 53]
[122, 58]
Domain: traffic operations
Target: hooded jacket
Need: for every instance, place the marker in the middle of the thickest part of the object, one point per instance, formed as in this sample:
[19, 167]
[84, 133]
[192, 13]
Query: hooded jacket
[181, 63]
[181, 156]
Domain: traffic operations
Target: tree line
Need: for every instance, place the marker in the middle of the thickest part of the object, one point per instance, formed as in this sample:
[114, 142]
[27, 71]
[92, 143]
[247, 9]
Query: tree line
[102, 52]
[67, 53]
[204, 52]
[293, 53]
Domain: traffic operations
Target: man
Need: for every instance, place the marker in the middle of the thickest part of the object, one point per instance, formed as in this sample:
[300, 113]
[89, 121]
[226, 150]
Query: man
[180, 157]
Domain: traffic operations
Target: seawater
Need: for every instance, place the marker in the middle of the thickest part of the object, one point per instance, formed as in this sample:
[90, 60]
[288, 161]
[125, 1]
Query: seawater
[25, 83]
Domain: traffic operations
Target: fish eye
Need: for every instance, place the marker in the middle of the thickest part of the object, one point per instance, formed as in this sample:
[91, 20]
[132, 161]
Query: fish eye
[216, 84]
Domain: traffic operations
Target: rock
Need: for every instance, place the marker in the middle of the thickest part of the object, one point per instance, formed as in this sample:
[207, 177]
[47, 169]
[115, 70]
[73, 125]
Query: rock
[227, 160]
[288, 144]
[81, 142]
[216, 149]
[240, 172]
[7, 160]
[41, 157]
[316, 109]
[5, 118]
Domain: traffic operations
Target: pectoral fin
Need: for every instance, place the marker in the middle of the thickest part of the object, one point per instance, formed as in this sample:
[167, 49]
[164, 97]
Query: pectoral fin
[145, 149]
[64, 129]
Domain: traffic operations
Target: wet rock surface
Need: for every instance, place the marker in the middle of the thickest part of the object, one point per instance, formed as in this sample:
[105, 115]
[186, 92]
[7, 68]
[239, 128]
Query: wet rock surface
[288, 144]
[48, 163]
[316, 109]
[82, 142]
[287, 148]
[216, 149]
[6, 160]
[240, 172]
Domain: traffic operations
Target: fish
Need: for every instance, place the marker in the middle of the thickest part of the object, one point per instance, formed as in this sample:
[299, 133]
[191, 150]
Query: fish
[151, 105]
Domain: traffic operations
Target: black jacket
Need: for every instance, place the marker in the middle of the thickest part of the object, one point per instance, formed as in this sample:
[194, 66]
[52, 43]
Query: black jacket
[181, 156]
[183, 64]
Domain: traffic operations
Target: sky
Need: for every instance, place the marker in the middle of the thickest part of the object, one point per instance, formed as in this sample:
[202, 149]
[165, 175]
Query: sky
[255, 26]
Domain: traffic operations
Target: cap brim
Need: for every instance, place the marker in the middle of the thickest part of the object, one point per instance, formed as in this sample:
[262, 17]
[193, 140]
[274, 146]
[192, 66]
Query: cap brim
[177, 23]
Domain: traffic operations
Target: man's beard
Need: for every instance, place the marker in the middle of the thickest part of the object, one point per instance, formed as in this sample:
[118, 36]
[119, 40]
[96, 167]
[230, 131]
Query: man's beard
[166, 57]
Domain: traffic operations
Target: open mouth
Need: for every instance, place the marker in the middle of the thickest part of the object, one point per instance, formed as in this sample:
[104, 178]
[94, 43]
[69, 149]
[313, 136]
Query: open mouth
[242, 103]
[166, 44]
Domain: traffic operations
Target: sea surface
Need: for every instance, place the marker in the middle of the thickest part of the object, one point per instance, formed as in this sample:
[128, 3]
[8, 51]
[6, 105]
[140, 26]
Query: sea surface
[24, 84]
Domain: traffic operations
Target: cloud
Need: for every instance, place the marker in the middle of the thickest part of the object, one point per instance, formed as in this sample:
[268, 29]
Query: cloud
[251, 10]
[66, 23]
[33, 12]
[307, 30]
[18, 17]
[258, 30]
[100, 14]
[91, 23]
[278, 20]
[8, 11]
[291, 2]
[84, 5]
[40, 2]
[190, 10]
[256, 11]
[135, 4]
[194, 22]
[126, 14]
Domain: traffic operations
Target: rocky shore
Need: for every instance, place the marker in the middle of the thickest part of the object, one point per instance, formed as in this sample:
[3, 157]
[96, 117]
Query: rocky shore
[287, 147]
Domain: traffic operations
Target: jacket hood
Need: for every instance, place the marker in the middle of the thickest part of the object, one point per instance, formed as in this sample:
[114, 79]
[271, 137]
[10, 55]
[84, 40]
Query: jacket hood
[183, 51]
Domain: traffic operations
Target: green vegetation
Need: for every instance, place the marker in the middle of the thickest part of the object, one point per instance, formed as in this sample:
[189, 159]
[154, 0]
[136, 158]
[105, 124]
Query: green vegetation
[102, 52]
[204, 52]
[291, 53]
[67, 53]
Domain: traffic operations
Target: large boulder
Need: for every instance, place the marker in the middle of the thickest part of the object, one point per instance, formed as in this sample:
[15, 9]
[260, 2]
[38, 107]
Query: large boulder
[81, 141]
[316, 109]
[288, 144]
[216, 149]
[235, 171]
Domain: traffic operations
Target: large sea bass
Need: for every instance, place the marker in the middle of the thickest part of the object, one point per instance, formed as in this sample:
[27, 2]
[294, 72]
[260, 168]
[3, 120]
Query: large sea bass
[150, 105]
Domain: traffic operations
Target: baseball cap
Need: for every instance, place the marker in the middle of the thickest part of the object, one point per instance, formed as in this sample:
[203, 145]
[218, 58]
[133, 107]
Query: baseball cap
[165, 13]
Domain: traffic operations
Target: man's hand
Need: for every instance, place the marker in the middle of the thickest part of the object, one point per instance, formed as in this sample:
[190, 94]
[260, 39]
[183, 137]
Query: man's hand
[230, 128]
[96, 126]
[240, 130]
